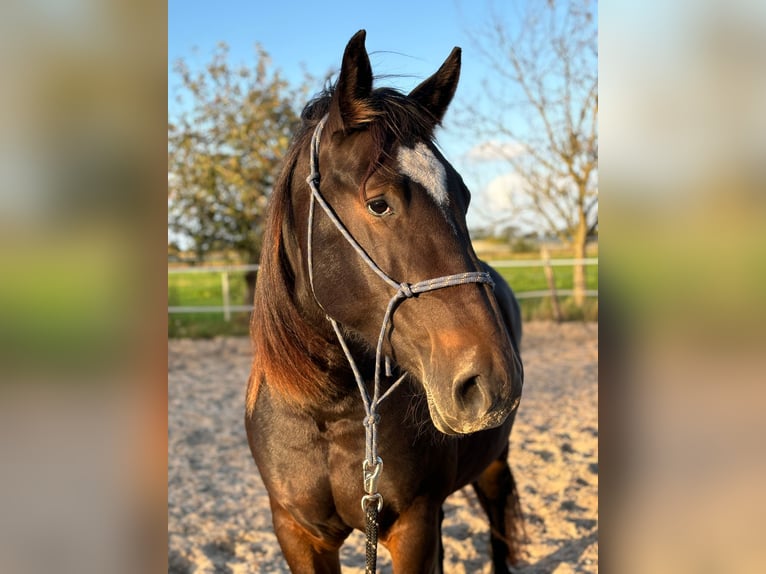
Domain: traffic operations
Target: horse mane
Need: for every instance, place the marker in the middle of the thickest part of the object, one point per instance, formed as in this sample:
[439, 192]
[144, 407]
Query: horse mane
[288, 354]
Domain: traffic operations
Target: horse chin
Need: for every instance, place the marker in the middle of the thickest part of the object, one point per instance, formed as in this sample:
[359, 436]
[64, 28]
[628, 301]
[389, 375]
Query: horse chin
[489, 421]
[438, 421]
[451, 427]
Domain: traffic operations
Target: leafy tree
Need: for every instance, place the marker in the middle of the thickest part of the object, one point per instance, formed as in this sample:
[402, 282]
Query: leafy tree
[544, 94]
[224, 148]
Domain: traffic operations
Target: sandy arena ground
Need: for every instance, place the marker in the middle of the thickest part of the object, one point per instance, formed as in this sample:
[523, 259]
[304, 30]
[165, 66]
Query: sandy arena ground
[218, 513]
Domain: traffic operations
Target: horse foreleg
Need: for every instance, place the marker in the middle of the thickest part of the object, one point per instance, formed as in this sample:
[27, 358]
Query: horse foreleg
[304, 551]
[497, 493]
[414, 541]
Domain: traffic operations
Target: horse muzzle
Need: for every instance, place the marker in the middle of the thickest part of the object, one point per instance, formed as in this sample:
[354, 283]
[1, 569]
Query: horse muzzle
[474, 403]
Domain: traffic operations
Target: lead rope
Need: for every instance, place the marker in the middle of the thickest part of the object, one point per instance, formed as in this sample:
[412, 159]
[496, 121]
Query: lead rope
[372, 466]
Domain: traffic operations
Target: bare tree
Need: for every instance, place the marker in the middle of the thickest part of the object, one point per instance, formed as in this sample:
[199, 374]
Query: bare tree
[543, 114]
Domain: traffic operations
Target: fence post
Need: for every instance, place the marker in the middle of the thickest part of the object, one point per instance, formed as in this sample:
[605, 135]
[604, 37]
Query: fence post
[548, 269]
[225, 290]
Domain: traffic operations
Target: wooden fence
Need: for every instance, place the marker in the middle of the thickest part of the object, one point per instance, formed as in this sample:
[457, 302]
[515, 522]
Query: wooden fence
[227, 308]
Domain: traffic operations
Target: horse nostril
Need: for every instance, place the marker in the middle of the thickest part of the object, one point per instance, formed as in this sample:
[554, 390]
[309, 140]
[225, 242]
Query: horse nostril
[468, 393]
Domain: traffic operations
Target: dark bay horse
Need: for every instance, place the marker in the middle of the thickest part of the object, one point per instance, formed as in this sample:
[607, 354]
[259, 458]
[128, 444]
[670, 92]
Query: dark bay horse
[383, 267]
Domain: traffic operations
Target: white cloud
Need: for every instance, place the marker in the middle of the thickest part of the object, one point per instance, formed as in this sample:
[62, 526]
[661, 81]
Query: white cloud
[494, 150]
[500, 200]
[501, 190]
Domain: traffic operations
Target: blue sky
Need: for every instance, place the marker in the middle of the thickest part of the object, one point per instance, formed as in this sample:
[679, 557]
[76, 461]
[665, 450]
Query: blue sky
[410, 38]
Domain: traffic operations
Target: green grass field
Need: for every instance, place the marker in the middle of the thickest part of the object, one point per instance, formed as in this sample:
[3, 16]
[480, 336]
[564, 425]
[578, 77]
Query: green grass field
[523, 279]
[204, 289]
[192, 289]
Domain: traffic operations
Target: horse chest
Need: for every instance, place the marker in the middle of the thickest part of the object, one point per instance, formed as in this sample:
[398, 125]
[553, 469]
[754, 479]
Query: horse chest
[313, 466]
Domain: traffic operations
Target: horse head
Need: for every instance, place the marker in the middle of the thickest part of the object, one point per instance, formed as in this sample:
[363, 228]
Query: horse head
[404, 205]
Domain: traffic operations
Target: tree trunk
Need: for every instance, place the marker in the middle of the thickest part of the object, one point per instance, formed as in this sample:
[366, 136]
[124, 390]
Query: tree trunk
[578, 245]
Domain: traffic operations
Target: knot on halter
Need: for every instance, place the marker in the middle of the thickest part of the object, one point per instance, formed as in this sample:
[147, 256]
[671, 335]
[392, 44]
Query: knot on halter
[313, 178]
[371, 420]
[406, 290]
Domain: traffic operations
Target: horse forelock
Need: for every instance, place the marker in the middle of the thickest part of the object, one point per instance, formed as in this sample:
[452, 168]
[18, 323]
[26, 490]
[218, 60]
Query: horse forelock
[388, 116]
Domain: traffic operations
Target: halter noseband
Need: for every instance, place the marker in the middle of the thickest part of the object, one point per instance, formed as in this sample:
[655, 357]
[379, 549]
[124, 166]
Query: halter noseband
[372, 463]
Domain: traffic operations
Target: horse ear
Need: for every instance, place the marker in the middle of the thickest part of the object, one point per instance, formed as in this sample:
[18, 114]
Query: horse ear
[436, 92]
[352, 91]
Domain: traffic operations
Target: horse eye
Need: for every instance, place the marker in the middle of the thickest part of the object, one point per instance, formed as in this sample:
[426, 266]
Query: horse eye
[378, 207]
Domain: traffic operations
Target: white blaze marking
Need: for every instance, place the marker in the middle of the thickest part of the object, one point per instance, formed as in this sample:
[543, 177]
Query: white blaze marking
[421, 166]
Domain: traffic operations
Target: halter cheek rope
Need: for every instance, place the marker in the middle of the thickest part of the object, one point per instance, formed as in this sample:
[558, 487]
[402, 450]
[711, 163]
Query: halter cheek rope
[372, 467]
